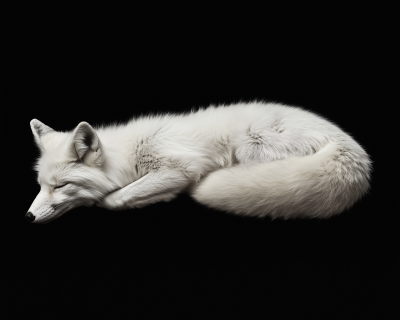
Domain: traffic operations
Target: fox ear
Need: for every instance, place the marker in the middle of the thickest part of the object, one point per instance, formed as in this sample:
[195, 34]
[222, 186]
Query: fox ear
[39, 129]
[86, 144]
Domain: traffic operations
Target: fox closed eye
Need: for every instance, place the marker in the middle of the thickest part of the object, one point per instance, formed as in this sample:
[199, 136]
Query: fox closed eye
[57, 187]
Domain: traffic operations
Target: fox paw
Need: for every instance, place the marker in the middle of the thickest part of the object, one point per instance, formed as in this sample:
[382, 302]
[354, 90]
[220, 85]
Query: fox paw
[110, 203]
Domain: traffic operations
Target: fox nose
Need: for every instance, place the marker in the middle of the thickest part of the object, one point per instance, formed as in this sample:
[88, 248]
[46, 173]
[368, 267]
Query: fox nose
[30, 217]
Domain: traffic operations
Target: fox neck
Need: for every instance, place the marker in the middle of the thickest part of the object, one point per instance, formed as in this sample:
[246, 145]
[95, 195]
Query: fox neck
[119, 166]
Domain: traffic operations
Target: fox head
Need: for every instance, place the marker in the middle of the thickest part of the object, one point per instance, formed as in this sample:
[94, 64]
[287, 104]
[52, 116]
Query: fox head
[69, 171]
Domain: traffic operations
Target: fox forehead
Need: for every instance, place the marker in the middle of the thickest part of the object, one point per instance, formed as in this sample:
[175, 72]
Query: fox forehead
[56, 140]
[51, 171]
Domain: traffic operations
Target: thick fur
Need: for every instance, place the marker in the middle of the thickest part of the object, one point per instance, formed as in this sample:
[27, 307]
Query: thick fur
[255, 159]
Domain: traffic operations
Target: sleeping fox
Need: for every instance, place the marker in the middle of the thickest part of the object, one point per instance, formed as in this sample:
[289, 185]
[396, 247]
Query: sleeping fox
[254, 159]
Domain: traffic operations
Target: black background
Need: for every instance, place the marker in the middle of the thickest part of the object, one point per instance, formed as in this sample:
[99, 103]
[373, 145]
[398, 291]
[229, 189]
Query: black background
[107, 68]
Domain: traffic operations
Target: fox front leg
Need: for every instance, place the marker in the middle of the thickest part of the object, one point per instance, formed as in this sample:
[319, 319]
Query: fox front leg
[156, 186]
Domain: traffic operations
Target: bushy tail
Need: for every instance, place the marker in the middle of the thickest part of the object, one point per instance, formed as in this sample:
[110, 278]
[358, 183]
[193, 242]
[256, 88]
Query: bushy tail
[319, 185]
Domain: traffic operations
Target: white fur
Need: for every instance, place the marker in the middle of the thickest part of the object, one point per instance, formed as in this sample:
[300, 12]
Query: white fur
[251, 159]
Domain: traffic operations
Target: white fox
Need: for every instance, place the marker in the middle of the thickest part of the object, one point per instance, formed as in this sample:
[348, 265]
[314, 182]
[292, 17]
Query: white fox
[254, 159]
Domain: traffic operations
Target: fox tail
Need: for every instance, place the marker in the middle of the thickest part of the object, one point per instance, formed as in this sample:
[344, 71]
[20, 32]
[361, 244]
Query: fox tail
[318, 185]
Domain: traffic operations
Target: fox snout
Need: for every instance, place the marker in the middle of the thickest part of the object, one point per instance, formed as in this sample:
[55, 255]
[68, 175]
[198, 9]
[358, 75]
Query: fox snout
[30, 217]
[44, 208]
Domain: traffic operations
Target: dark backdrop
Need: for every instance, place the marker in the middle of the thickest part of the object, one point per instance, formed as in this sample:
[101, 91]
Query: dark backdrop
[62, 74]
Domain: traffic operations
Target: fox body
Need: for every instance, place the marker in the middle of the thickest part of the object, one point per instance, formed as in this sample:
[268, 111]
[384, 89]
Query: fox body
[254, 159]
